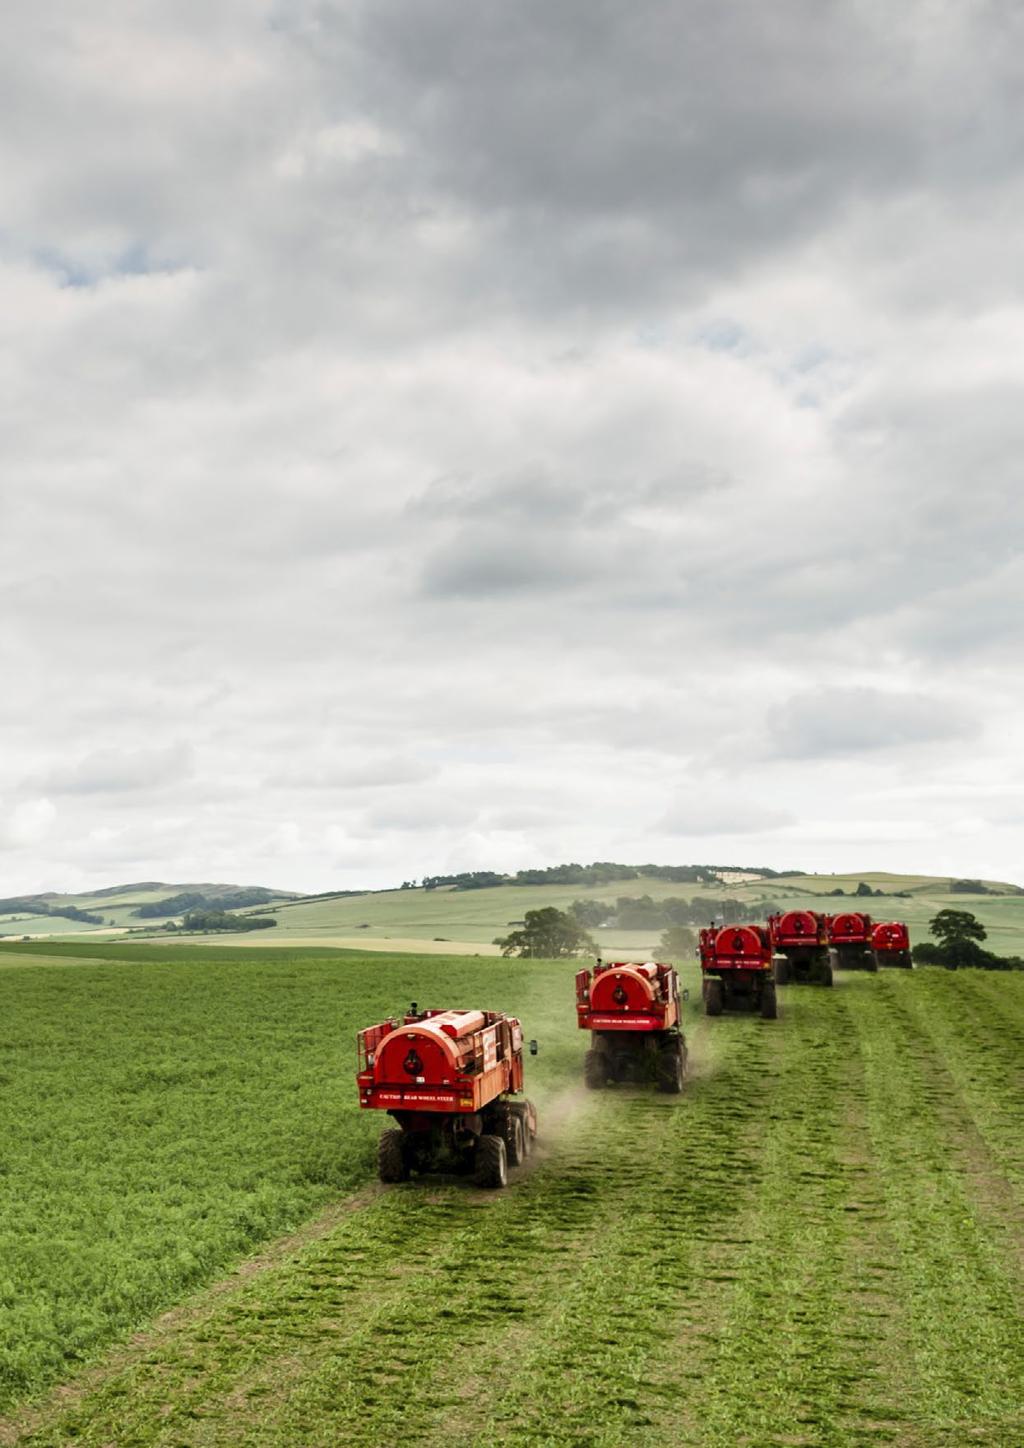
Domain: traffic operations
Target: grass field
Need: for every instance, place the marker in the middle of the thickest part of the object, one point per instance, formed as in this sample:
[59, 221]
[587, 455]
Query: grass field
[819, 1243]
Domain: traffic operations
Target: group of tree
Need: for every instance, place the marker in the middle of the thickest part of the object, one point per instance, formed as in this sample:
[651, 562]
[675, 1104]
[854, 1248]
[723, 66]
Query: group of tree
[864, 890]
[210, 919]
[196, 900]
[640, 912]
[959, 935]
[35, 905]
[601, 872]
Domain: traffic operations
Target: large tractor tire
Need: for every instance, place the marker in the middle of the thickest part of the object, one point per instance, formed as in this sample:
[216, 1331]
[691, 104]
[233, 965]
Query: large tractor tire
[769, 1004]
[521, 1112]
[595, 1070]
[782, 970]
[826, 975]
[514, 1136]
[870, 961]
[391, 1163]
[713, 996]
[670, 1068]
[491, 1166]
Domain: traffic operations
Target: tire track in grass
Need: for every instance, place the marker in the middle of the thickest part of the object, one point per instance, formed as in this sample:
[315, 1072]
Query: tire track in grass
[791, 1359]
[975, 1020]
[596, 1370]
[959, 1288]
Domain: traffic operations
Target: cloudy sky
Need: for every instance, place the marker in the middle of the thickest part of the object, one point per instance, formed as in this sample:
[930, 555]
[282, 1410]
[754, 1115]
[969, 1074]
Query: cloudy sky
[463, 435]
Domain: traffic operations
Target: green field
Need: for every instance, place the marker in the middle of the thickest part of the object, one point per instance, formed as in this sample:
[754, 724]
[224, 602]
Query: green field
[474, 918]
[819, 1243]
[468, 921]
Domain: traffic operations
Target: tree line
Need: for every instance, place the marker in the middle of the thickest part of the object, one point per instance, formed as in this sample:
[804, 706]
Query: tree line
[196, 900]
[32, 905]
[601, 872]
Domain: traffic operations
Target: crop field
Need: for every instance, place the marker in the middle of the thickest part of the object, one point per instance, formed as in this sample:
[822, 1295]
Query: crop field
[820, 1243]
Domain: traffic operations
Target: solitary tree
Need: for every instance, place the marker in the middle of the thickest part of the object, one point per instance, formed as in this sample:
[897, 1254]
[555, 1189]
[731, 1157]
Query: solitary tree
[548, 934]
[958, 933]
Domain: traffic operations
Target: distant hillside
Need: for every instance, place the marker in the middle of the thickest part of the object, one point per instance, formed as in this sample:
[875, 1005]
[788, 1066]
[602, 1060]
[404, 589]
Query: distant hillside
[121, 907]
[629, 915]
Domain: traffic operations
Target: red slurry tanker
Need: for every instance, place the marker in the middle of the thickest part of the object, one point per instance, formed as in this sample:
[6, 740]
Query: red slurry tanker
[800, 942]
[448, 1079]
[849, 935]
[736, 964]
[632, 1014]
[890, 940]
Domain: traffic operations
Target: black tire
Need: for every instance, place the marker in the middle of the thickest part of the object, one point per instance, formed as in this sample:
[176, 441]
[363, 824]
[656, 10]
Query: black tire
[595, 1073]
[870, 961]
[391, 1162]
[515, 1146]
[491, 1166]
[782, 971]
[769, 1004]
[826, 975]
[713, 996]
[670, 1068]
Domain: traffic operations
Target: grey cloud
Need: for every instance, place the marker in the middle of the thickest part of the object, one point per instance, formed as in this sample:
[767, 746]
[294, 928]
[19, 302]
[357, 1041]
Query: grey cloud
[851, 721]
[487, 561]
[108, 771]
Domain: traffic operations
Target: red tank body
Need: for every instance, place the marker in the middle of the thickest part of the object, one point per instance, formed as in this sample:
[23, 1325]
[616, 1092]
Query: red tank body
[736, 965]
[632, 1012]
[800, 943]
[797, 929]
[849, 935]
[890, 940]
[624, 996]
[852, 927]
[447, 1077]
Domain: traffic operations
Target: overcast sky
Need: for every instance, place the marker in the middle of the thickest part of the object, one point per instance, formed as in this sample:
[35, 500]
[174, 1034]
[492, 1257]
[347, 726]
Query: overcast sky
[476, 435]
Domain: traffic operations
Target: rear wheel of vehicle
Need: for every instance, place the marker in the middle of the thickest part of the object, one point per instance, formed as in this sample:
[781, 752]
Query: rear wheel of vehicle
[670, 1068]
[491, 1166]
[529, 1134]
[595, 1070]
[391, 1163]
[870, 960]
[769, 1005]
[826, 975]
[515, 1148]
[782, 971]
[713, 996]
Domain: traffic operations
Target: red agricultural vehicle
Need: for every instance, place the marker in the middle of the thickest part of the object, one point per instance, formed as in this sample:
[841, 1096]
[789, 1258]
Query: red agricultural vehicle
[800, 942]
[890, 940]
[849, 935]
[736, 965]
[632, 1014]
[448, 1079]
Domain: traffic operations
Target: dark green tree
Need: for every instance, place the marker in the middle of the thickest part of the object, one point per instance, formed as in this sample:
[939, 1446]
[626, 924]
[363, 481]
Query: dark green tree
[959, 933]
[951, 927]
[547, 934]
